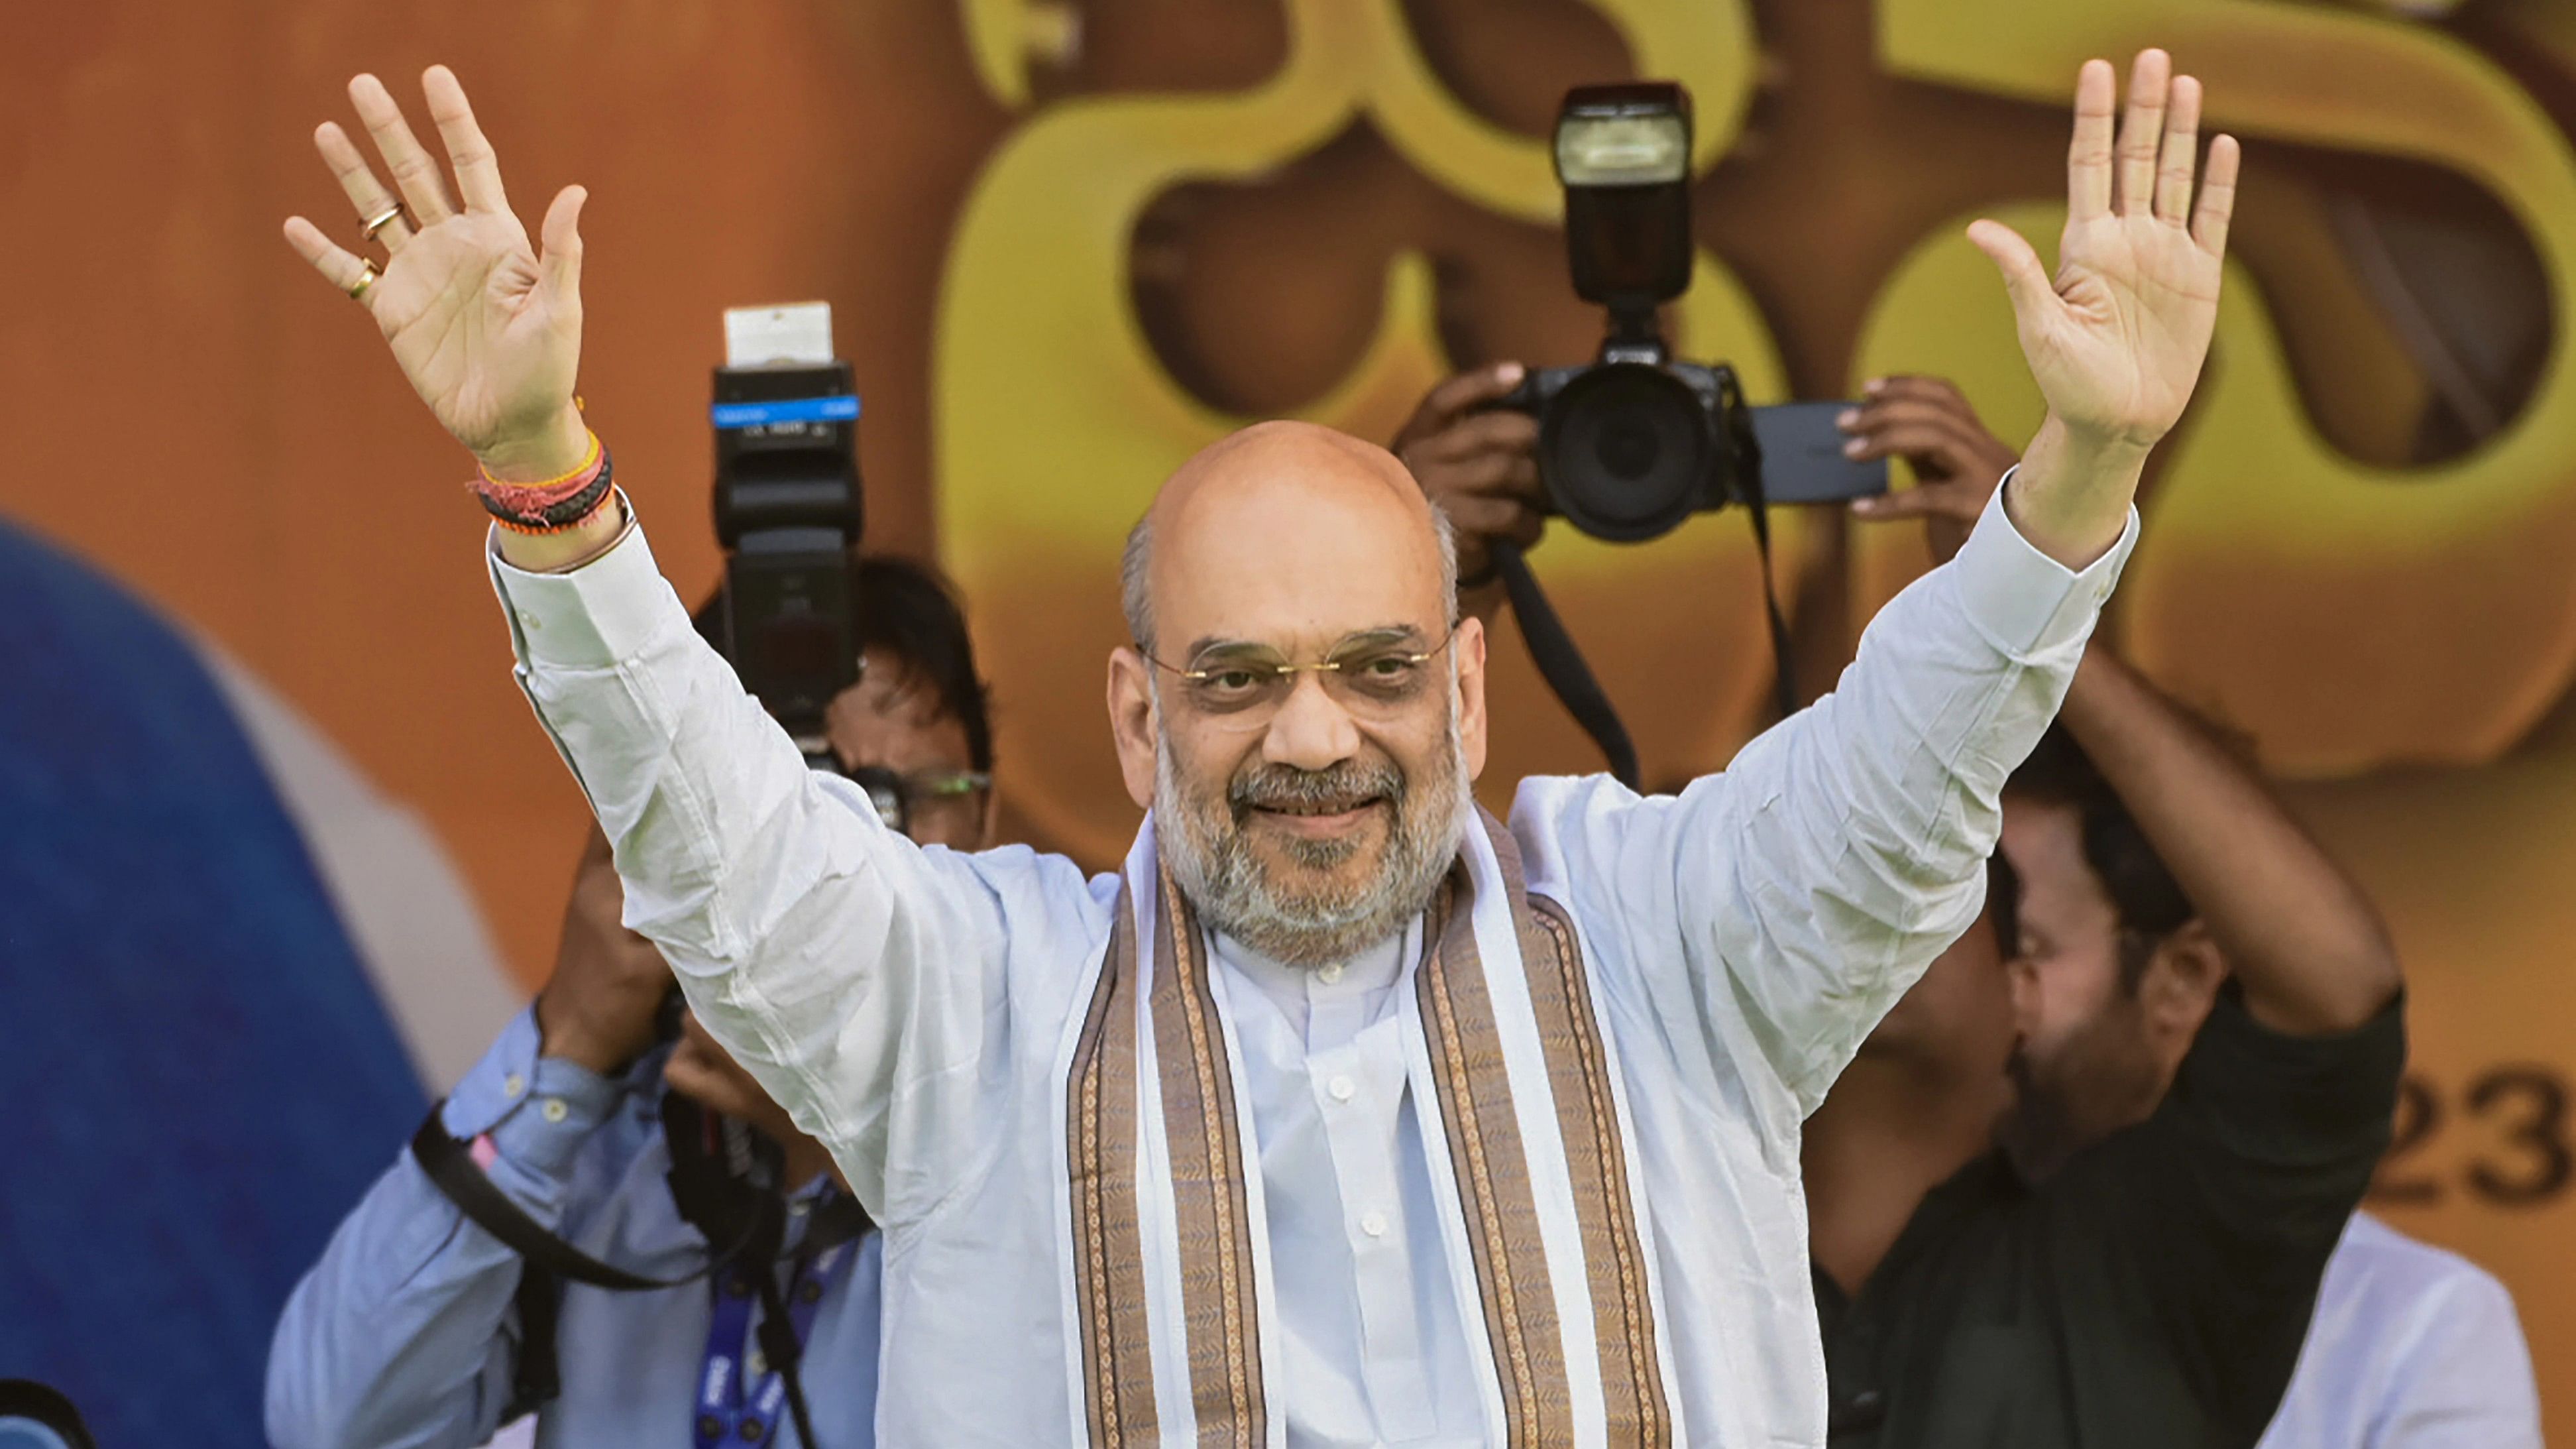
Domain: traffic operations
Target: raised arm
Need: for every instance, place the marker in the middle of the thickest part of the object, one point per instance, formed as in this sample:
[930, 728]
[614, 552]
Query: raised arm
[2303, 942]
[1840, 852]
[829, 955]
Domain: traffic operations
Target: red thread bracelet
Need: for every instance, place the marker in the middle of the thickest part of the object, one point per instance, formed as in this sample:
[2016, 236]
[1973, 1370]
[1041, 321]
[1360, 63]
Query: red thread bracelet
[533, 499]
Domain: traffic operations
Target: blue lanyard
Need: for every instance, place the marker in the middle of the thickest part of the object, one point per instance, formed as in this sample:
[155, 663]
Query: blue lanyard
[731, 1412]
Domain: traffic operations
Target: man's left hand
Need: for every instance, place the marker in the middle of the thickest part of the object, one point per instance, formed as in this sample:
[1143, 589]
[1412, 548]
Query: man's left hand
[2117, 339]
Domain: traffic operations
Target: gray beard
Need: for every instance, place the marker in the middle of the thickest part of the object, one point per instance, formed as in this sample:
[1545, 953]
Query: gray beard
[1202, 840]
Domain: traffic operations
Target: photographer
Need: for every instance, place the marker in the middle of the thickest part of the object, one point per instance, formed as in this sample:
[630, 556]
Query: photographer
[413, 1328]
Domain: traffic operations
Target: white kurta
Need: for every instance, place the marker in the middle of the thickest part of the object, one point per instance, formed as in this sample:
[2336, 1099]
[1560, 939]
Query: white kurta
[2411, 1348]
[911, 1007]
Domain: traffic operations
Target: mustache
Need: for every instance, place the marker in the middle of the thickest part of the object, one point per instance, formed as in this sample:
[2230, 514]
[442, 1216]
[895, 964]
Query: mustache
[1285, 787]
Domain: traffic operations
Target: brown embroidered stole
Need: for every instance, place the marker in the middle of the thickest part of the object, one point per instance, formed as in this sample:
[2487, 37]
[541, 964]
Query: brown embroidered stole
[1203, 1143]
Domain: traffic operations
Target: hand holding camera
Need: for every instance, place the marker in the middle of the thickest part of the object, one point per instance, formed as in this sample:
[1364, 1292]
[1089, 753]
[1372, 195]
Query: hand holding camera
[1478, 466]
[1957, 464]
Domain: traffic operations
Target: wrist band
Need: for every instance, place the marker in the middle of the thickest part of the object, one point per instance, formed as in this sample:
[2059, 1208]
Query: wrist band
[589, 460]
[556, 505]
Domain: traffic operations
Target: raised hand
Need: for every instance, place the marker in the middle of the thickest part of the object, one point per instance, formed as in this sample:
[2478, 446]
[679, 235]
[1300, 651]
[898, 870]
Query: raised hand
[488, 331]
[2117, 338]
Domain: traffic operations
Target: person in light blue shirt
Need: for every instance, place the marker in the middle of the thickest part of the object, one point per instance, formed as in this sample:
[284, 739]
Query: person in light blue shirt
[413, 1329]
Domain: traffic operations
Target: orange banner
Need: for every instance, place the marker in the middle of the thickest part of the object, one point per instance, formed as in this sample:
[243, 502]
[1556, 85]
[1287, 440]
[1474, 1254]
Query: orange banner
[1068, 243]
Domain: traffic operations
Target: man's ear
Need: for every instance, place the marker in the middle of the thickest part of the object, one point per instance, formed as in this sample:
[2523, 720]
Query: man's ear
[1131, 723]
[2180, 986]
[1470, 647]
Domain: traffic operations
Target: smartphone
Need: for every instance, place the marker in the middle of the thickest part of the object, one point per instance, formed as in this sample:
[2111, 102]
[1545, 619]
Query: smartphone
[1803, 459]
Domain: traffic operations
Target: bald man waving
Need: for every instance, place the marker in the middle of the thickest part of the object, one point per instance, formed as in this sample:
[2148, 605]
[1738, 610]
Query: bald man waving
[1343, 1114]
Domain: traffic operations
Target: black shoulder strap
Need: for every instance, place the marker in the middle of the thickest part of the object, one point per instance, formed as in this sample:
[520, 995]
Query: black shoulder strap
[451, 1167]
[1747, 450]
[540, 1374]
[1561, 664]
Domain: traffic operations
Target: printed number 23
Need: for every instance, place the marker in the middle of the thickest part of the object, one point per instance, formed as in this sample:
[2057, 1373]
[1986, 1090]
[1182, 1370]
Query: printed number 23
[2530, 1166]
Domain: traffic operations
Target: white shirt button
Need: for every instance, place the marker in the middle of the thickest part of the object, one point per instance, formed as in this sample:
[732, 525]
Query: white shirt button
[1342, 1088]
[1330, 974]
[555, 1110]
[512, 1085]
[530, 621]
[1373, 1223]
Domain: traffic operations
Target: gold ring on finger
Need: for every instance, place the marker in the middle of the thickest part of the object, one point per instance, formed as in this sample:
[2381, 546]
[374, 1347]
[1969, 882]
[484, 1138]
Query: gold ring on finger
[380, 221]
[366, 278]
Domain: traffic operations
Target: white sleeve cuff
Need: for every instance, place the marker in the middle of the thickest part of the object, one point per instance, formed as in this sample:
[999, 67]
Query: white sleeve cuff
[2022, 600]
[591, 617]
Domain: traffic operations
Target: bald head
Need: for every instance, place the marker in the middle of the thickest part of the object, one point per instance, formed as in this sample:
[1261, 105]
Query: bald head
[1289, 509]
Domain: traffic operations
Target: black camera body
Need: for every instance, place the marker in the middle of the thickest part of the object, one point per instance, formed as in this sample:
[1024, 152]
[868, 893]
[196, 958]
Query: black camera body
[1634, 443]
[788, 512]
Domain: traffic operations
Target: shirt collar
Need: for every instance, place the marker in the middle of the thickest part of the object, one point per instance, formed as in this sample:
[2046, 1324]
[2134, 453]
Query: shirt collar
[1295, 990]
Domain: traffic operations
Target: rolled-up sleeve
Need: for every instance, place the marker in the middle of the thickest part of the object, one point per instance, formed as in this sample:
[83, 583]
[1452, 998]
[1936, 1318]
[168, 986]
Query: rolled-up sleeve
[856, 975]
[404, 1332]
[1801, 891]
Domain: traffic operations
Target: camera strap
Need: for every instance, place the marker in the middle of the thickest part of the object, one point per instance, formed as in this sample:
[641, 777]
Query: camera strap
[1561, 664]
[451, 1167]
[538, 1378]
[548, 1260]
[1784, 682]
[740, 1399]
[1747, 448]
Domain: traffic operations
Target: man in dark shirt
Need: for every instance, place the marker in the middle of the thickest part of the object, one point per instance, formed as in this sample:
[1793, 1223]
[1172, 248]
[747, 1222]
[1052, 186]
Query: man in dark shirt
[2079, 1188]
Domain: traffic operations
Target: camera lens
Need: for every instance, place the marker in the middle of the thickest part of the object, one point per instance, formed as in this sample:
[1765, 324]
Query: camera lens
[1625, 449]
[1628, 445]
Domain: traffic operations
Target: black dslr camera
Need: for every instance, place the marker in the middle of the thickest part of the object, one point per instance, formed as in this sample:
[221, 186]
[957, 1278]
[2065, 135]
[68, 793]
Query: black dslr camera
[788, 512]
[1633, 444]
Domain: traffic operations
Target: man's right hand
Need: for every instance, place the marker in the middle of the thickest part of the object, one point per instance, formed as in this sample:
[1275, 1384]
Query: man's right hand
[600, 1007]
[1479, 468]
[488, 332]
